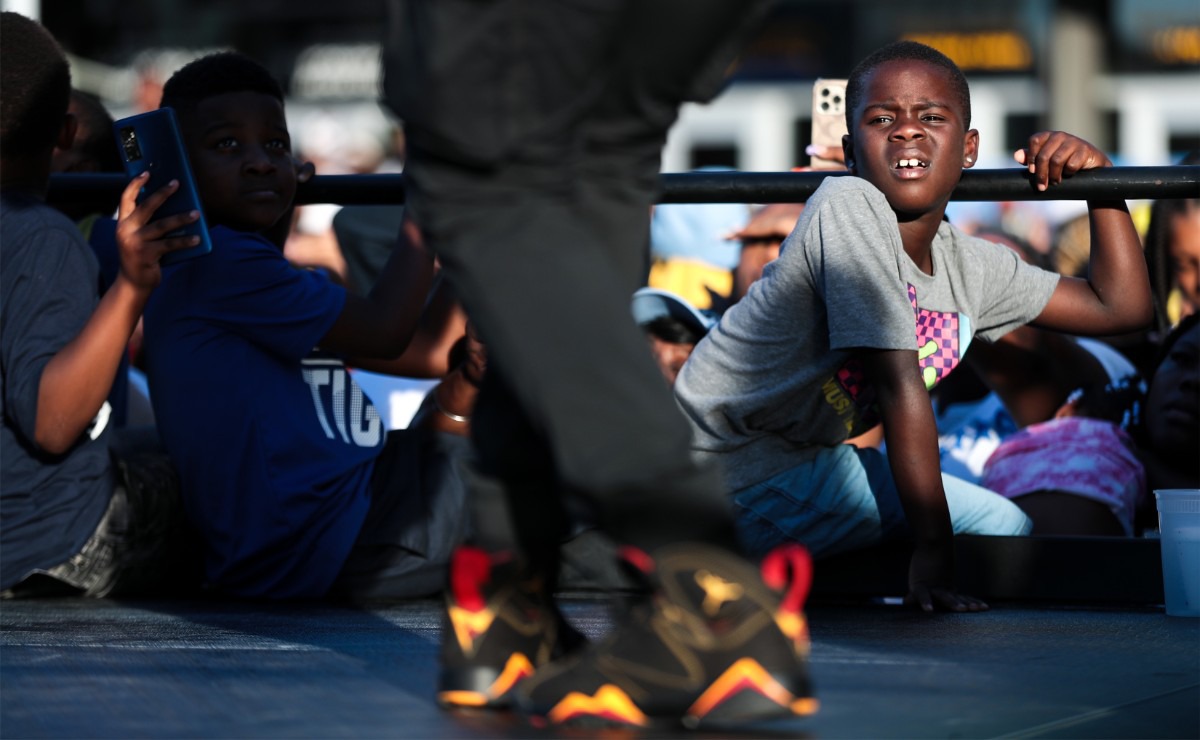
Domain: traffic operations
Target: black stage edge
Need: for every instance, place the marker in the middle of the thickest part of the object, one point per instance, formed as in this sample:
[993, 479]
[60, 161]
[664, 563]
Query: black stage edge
[1064, 570]
[1036, 570]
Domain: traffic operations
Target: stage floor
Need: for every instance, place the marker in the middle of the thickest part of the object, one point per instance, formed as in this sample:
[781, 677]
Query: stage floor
[211, 669]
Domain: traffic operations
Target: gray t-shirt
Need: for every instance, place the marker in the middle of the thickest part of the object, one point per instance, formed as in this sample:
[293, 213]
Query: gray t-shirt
[49, 279]
[776, 379]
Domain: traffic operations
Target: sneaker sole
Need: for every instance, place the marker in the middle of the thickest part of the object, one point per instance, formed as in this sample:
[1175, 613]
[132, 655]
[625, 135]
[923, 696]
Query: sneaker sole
[745, 693]
[482, 687]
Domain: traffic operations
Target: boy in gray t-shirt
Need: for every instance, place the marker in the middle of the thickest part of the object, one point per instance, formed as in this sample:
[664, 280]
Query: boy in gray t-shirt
[873, 300]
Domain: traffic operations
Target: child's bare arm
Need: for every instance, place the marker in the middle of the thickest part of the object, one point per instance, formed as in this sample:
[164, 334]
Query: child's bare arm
[443, 324]
[1115, 297]
[911, 435]
[77, 379]
[382, 325]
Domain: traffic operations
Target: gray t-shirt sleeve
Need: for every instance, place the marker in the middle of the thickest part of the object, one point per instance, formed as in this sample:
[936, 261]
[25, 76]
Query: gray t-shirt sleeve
[854, 243]
[1008, 292]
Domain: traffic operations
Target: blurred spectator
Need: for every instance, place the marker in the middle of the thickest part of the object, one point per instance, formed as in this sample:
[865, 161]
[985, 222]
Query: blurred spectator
[1173, 255]
[93, 150]
[761, 239]
[690, 253]
[1169, 434]
[1077, 473]
[1023, 378]
[334, 148]
[673, 327]
[1072, 247]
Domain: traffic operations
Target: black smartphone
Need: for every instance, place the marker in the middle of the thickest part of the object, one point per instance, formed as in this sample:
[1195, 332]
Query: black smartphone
[151, 141]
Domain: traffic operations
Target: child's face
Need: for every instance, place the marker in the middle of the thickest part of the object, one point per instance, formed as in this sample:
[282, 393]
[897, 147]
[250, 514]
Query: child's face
[242, 159]
[1184, 251]
[1173, 402]
[909, 138]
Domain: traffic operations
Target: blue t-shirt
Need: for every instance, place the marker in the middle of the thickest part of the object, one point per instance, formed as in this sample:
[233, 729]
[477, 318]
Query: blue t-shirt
[274, 442]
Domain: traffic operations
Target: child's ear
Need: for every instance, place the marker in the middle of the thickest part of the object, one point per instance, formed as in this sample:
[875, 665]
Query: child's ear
[970, 148]
[66, 134]
[848, 153]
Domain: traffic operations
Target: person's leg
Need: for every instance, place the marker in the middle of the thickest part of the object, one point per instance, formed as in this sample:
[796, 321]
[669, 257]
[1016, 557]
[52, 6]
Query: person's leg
[143, 545]
[976, 510]
[844, 498]
[546, 255]
[835, 499]
[545, 250]
[416, 520]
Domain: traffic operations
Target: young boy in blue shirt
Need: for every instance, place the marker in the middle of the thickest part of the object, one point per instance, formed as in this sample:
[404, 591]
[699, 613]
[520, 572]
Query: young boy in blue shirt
[872, 301]
[287, 470]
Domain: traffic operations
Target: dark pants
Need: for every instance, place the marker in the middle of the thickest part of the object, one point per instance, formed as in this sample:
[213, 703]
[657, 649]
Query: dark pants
[417, 518]
[535, 131]
[143, 545]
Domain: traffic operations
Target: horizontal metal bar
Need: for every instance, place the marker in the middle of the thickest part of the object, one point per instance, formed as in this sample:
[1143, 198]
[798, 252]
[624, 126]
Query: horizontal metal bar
[1129, 183]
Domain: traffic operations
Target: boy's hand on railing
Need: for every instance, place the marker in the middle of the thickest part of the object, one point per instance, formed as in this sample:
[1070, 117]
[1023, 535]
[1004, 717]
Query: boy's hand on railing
[1053, 155]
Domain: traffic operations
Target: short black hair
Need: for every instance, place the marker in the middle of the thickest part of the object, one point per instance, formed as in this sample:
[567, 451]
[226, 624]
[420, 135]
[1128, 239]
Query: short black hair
[672, 330]
[217, 74]
[904, 51]
[35, 84]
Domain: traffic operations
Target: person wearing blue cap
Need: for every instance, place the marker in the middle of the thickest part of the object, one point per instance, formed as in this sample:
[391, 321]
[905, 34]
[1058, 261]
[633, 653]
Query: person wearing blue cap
[673, 327]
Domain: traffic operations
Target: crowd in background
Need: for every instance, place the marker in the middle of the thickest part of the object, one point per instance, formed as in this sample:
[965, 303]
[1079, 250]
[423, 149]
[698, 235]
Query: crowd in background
[1078, 447]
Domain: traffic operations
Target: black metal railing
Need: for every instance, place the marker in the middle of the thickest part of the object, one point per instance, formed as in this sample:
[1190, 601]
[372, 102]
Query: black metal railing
[1130, 183]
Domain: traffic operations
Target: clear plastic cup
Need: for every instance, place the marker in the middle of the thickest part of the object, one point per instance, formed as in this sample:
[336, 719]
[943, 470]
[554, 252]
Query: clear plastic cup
[1179, 532]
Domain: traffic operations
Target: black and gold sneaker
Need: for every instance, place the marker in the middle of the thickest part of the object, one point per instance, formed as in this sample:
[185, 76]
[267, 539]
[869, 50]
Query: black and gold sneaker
[718, 642]
[500, 625]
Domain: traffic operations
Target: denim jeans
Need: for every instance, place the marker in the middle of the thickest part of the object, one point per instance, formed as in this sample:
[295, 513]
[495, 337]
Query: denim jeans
[844, 498]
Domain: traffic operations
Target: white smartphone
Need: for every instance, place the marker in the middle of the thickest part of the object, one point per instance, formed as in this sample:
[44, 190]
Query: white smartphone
[828, 120]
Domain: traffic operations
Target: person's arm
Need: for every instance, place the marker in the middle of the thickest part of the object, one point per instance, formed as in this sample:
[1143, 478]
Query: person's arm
[442, 324]
[69, 394]
[453, 399]
[911, 435]
[382, 325]
[1115, 298]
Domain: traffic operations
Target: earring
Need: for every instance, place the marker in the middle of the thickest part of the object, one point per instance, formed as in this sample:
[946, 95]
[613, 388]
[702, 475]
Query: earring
[970, 160]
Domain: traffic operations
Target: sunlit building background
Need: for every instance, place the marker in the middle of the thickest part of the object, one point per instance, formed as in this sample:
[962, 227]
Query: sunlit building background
[1122, 73]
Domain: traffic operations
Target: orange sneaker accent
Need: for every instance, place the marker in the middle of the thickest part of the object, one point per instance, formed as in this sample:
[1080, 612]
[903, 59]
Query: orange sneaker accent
[805, 707]
[462, 698]
[717, 591]
[469, 625]
[608, 702]
[516, 669]
[742, 675]
[795, 628]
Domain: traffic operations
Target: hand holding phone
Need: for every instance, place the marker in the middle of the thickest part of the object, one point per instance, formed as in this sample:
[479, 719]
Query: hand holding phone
[151, 143]
[143, 240]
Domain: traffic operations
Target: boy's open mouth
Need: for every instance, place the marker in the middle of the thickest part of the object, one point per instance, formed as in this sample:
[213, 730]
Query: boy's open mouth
[908, 164]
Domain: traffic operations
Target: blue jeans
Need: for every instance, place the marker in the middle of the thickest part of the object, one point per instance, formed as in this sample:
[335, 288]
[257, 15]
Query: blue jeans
[845, 499]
